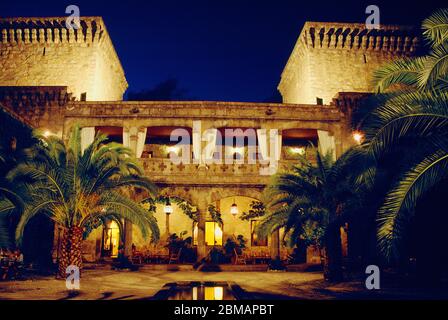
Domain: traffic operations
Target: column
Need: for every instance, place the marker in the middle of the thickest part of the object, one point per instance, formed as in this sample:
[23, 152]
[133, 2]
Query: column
[202, 216]
[133, 132]
[275, 245]
[167, 224]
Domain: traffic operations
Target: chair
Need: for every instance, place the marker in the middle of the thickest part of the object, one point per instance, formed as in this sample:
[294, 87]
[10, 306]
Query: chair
[137, 257]
[175, 257]
[239, 258]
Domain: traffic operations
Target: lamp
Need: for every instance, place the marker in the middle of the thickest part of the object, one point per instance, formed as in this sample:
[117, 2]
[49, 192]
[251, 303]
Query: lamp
[358, 136]
[168, 209]
[234, 208]
[298, 150]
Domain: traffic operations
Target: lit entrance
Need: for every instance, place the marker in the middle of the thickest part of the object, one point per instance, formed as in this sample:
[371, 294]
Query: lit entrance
[111, 240]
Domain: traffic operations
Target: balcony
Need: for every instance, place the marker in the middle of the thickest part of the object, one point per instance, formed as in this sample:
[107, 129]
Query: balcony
[165, 171]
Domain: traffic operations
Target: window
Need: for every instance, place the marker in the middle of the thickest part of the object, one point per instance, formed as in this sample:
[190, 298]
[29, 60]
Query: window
[319, 101]
[256, 241]
[84, 96]
[213, 234]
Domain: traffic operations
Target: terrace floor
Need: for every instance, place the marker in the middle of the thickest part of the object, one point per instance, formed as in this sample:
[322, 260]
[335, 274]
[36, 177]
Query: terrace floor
[108, 284]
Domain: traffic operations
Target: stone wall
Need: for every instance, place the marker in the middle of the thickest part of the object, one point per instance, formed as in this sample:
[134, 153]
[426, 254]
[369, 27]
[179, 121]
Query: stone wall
[43, 52]
[336, 57]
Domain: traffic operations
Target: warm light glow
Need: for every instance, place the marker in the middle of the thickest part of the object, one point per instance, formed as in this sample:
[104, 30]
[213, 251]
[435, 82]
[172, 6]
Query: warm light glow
[173, 149]
[218, 234]
[209, 293]
[234, 209]
[219, 293]
[358, 137]
[239, 150]
[298, 150]
[47, 133]
[168, 209]
[111, 240]
[213, 234]
[213, 293]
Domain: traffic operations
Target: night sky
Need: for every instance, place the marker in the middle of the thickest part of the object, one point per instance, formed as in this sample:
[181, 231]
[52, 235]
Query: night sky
[232, 50]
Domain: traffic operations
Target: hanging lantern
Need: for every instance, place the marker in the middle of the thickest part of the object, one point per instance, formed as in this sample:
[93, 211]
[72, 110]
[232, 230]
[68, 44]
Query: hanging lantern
[168, 209]
[234, 208]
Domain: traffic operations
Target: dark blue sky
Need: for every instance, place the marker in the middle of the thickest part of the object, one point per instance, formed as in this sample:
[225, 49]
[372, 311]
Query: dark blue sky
[231, 50]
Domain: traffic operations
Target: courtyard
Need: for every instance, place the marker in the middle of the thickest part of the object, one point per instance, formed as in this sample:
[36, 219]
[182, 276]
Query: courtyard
[106, 284]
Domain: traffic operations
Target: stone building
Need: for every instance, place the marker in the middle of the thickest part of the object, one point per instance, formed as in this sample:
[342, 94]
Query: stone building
[333, 57]
[54, 78]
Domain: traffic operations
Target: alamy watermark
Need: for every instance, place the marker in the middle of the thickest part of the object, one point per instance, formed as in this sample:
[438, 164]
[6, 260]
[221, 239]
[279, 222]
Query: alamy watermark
[373, 280]
[73, 21]
[373, 20]
[263, 146]
[72, 281]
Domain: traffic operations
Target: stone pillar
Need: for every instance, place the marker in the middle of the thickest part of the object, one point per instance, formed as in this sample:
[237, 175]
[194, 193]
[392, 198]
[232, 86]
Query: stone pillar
[127, 238]
[202, 216]
[128, 225]
[275, 244]
[167, 224]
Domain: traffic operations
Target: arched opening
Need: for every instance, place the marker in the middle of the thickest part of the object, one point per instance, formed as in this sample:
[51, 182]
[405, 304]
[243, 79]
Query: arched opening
[236, 144]
[158, 142]
[114, 134]
[111, 240]
[298, 143]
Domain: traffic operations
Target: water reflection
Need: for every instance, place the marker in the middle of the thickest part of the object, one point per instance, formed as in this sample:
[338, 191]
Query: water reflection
[201, 292]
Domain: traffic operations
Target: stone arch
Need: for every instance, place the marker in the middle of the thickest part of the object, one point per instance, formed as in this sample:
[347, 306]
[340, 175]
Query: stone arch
[180, 192]
[222, 193]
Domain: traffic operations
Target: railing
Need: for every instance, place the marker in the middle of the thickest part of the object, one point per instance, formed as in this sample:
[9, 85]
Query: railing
[165, 171]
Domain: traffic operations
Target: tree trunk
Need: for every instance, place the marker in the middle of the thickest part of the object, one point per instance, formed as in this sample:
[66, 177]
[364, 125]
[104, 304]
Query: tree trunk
[71, 253]
[333, 254]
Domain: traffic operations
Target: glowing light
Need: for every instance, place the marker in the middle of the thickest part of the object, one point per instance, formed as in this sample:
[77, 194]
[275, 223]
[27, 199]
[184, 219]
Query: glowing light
[298, 150]
[358, 136]
[237, 150]
[218, 234]
[173, 149]
[168, 209]
[234, 209]
[47, 133]
[219, 293]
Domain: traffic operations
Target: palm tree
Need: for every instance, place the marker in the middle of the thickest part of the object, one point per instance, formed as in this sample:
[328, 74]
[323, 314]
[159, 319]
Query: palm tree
[9, 198]
[312, 202]
[411, 109]
[78, 188]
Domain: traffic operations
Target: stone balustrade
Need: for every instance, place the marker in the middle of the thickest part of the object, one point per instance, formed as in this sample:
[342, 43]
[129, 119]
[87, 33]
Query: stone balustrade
[164, 171]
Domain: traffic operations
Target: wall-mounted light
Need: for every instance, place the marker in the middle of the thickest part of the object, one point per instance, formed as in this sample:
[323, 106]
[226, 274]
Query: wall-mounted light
[234, 208]
[358, 136]
[298, 150]
[168, 209]
[173, 149]
[239, 150]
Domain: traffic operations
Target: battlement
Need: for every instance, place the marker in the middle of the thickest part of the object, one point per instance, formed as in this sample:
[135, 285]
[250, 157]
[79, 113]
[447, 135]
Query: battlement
[41, 51]
[333, 35]
[332, 57]
[51, 30]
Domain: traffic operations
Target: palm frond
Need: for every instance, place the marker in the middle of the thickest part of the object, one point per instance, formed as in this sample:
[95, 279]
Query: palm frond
[435, 27]
[404, 71]
[435, 67]
[401, 200]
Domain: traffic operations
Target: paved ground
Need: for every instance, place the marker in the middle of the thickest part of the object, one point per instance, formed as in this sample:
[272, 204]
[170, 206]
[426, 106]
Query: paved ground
[108, 284]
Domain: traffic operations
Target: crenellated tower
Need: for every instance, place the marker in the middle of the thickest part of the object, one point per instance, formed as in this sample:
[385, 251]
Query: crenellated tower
[329, 58]
[43, 52]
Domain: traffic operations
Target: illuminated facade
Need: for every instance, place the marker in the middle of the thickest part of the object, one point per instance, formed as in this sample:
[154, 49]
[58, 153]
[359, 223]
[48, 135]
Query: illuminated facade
[38, 86]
